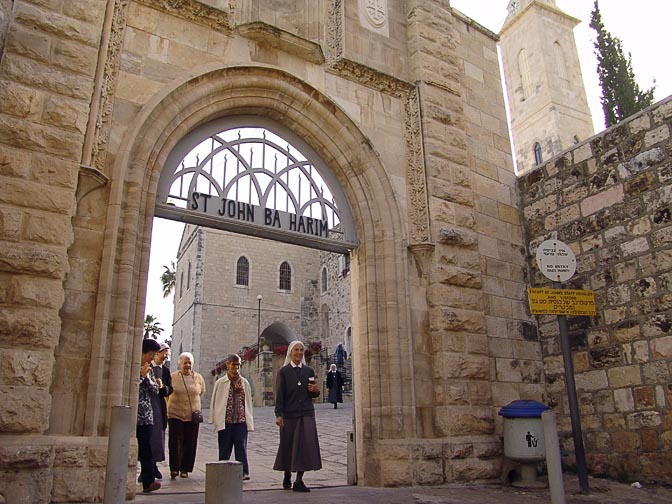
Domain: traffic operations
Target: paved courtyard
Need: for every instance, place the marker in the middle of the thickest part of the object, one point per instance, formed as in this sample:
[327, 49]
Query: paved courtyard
[332, 424]
[330, 484]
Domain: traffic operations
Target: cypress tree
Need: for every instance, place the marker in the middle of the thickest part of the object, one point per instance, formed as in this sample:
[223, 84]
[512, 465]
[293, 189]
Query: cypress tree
[621, 95]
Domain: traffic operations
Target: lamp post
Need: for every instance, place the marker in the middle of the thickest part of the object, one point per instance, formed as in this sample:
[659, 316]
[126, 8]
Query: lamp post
[259, 297]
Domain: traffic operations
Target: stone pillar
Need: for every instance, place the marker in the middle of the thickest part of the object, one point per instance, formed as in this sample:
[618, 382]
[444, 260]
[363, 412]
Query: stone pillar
[266, 378]
[224, 482]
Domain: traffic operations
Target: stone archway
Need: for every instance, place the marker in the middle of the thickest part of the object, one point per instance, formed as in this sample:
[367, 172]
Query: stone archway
[384, 409]
[278, 333]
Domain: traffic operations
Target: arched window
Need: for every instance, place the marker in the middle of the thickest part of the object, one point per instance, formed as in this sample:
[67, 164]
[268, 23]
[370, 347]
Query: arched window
[560, 60]
[324, 279]
[324, 323]
[285, 276]
[524, 70]
[189, 275]
[344, 264]
[243, 271]
[538, 158]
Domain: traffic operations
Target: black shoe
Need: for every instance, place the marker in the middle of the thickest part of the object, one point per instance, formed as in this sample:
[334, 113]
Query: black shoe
[287, 483]
[300, 486]
[173, 474]
[155, 485]
[157, 473]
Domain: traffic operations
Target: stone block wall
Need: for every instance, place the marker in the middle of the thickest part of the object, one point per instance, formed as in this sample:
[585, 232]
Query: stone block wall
[47, 73]
[610, 199]
[512, 342]
[337, 298]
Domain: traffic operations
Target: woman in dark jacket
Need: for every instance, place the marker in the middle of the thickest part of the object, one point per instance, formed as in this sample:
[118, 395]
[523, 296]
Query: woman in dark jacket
[335, 386]
[163, 379]
[299, 449]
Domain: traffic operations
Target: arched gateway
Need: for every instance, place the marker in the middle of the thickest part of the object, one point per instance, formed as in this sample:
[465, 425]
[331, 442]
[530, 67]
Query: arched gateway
[403, 109]
[384, 406]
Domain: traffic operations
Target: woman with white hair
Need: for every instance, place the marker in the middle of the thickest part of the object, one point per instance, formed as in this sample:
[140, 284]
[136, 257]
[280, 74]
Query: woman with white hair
[299, 448]
[188, 387]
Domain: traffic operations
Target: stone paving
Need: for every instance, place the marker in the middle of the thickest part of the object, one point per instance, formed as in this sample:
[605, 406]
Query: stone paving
[330, 484]
[332, 424]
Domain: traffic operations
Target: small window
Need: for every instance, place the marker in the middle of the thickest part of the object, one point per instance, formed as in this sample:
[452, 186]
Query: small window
[560, 60]
[344, 265]
[538, 158]
[524, 72]
[189, 275]
[324, 279]
[181, 283]
[285, 276]
[243, 271]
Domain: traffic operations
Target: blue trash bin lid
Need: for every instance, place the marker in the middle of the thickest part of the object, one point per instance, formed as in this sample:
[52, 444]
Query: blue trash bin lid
[523, 409]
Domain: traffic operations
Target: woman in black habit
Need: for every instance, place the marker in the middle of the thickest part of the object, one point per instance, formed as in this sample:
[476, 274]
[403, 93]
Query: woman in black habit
[299, 449]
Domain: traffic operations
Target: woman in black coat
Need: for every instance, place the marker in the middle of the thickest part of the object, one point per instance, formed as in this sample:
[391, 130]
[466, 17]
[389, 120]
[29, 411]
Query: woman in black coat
[162, 375]
[335, 386]
[299, 448]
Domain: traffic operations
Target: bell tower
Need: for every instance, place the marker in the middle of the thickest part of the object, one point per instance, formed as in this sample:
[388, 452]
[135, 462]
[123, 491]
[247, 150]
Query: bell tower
[547, 100]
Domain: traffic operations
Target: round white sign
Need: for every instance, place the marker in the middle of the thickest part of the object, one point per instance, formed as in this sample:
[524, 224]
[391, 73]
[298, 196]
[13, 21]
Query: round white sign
[556, 260]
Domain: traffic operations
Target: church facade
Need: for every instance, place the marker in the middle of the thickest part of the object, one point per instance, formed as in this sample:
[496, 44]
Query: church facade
[401, 109]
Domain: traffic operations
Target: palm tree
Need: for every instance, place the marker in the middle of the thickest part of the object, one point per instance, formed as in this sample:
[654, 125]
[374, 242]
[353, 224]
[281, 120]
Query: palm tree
[168, 279]
[152, 327]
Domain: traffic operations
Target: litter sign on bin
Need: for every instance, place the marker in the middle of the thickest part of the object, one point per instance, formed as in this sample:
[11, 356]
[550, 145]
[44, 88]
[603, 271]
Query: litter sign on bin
[523, 430]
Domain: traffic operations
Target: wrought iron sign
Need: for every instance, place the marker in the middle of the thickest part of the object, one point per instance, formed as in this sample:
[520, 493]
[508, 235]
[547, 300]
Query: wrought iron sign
[251, 176]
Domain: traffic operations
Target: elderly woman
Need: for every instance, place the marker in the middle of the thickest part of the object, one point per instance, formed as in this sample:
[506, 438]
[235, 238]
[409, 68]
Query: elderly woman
[188, 387]
[299, 448]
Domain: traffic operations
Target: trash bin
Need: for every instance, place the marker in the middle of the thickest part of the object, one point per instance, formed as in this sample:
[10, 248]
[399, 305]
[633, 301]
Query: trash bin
[524, 438]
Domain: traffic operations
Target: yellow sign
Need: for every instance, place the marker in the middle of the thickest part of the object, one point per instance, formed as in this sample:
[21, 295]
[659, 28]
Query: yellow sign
[561, 302]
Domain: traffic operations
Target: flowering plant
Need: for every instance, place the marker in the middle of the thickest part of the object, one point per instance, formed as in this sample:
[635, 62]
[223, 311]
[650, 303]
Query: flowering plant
[280, 349]
[313, 348]
[249, 353]
[219, 368]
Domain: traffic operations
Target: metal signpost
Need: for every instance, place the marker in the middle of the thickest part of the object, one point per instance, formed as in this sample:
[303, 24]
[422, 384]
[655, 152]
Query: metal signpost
[557, 262]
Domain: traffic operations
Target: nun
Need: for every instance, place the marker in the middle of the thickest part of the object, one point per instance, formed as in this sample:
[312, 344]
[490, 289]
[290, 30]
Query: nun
[299, 448]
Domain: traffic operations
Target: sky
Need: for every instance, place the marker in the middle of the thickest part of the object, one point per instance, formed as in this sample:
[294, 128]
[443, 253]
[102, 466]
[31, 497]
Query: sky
[640, 25]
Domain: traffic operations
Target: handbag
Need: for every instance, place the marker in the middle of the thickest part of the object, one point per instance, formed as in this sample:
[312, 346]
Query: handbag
[196, 416]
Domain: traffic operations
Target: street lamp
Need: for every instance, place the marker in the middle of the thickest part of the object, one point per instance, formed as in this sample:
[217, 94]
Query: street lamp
[259, 297]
